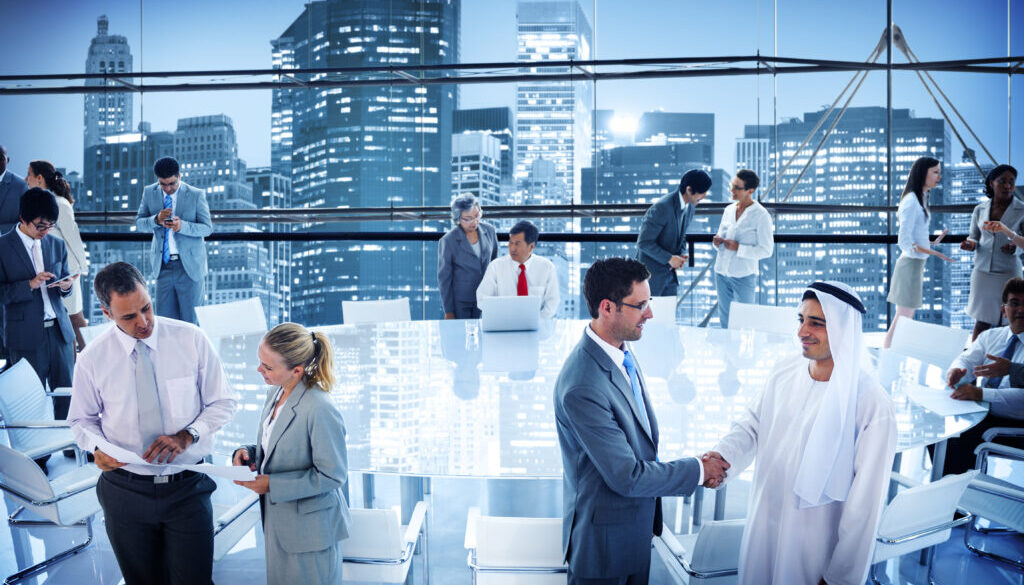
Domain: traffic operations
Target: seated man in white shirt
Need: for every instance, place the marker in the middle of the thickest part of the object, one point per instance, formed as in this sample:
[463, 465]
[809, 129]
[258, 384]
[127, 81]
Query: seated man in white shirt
[522, 272]
[1006, 402]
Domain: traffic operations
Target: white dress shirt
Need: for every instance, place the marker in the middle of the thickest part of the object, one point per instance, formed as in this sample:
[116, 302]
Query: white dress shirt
[171, 244]
[502, 280]
[268, 427]
[618, 357]
[1005, 400]
[190, 384]
[754, 233]
[30, 244]
[913, 226]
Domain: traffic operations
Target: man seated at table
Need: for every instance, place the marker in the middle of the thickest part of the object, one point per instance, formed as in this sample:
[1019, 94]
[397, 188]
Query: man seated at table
[522, 272]
[1004, 394]
[824, 435]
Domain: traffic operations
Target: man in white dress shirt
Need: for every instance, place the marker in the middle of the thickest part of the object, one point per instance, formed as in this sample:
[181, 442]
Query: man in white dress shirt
[153, 386]
[1006, 401]
[824, 435]
[522, 272]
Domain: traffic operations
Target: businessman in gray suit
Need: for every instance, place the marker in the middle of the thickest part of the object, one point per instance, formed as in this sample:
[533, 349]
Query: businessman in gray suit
[11, 188]
[179, 217]
[608, 434]
[661, 244]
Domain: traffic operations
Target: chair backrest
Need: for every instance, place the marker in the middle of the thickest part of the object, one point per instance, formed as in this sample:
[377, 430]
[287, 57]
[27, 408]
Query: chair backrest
[664, 309]
[374, 534]
[928, 342]
[22, 398]
[375, 311]
[21, 474]
[519, 542]
[767, 318]
[91, 332]
[235, 318]
[919, 508]
[718, 543]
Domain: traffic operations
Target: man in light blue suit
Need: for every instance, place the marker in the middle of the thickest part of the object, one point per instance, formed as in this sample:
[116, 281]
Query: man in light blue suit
[612, 479]
[179, 217]
[661, 243]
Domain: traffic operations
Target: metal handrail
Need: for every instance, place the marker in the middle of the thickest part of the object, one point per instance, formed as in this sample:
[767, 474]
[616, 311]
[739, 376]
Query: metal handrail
[925, 532]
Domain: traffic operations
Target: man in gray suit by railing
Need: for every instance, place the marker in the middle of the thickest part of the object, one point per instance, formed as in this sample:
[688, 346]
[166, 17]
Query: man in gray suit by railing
[608, 435]
[661, 244]
[179, 217]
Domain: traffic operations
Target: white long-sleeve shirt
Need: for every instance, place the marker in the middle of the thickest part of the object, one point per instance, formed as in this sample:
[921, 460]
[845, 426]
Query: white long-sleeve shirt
[754, 233]
[1005, 400]
[502, 280]
[913, 226]
[190, 384]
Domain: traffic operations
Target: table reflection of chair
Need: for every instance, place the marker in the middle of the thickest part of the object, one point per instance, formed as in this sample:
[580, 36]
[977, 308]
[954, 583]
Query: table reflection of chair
[995, 499]
[375, 311]
[513, 551]
[235, 318]
[464, 351]
[511, 351]
[380, 549]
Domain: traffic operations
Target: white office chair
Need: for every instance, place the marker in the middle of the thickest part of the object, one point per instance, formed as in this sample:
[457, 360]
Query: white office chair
[230, 526]
[243, 317]
[928, 342]
[380, 549]
[767, 318]
[91, 332]
[514, 551]
[375, 311]
[995, 499]
[918, 518]
[664, 309]
[68, 500]
[27, 412]
[712, 556]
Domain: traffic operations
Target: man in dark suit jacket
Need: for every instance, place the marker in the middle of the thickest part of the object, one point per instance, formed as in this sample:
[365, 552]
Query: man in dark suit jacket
[36, 327]
[11, 188]
[662, 240]
[612, 479]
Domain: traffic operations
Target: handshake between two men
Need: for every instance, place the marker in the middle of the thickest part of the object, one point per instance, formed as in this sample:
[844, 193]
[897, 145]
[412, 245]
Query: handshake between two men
[714, 469]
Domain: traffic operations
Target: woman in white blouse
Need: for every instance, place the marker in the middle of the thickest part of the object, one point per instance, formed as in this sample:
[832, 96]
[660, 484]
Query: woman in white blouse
[908, 276]
[744, 237]
[995, 224]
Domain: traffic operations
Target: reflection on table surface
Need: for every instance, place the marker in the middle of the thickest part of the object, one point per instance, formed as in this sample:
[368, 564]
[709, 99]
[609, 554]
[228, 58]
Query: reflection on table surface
[443, 398]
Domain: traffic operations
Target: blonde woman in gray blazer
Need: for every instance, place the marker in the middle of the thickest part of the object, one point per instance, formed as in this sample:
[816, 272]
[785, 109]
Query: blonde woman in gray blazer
[994, 223]
[301, 459]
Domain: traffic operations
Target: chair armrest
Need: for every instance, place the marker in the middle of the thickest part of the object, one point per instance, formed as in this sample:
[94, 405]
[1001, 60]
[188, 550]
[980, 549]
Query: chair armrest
[672, 543]
[35, 424]
[894, 540]
[985, 449]
[471, 521]
[235, 512]
[419, 514]
[904, 480]
[1002, 432]
[63, 391]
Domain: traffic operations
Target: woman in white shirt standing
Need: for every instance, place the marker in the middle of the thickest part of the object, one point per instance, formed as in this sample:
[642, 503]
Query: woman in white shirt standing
[908, 276]
[744, 237]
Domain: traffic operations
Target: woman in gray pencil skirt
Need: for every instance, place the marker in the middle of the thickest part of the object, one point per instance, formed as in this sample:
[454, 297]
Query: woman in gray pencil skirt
[907, 282]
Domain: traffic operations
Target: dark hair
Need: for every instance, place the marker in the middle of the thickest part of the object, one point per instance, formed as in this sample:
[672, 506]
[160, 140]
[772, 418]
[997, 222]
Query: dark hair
[528, 229]
[612, 279]
[54, 180]
[120, 277]
[166, 168]
[915, 180]
[698, 180]
[37, 202]
[749, 178]
[994, 174]
[1014, 286]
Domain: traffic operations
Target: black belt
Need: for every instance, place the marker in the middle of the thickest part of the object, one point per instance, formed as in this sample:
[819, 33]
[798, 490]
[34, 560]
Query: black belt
[155, 478]
[173, 258]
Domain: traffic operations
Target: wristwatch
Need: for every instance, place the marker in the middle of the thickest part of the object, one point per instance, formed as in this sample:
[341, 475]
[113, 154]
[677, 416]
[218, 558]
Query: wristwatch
[195, 434]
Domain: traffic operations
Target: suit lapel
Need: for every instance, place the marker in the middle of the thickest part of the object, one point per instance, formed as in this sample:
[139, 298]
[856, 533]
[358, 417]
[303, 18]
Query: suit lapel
[617, 380]
[14, 241]
[285, 415]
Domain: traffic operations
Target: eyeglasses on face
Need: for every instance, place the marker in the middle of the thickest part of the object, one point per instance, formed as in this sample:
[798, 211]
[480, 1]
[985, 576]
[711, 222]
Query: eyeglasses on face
[641, 307]
[44, 226]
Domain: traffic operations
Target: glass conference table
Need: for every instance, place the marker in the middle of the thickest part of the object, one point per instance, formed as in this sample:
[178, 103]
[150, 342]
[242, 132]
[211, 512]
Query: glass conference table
[427, 399]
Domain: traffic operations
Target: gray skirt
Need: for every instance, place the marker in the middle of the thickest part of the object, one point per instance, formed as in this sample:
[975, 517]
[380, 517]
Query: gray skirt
[985, 303]
[907, 282]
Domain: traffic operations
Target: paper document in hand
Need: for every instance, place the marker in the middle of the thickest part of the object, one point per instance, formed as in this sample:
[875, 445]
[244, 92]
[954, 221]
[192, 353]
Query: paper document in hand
[939, 401]
[119, 453]
[232, 472]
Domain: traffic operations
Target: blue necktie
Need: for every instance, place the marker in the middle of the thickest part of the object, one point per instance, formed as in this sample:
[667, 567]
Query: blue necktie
[634, 381]
[1006, 355]
[168, 203]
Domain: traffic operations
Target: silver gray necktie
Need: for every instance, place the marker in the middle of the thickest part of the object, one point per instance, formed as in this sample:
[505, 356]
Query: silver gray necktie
[151, 423]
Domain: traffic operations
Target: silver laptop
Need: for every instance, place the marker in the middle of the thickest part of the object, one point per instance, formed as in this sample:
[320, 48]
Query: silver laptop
[510, 313]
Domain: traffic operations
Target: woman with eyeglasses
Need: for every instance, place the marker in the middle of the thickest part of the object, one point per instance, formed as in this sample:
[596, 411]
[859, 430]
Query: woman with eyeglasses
[907, 283]
[462, 258]
[994, 239]
[43, 174]
[745, 237]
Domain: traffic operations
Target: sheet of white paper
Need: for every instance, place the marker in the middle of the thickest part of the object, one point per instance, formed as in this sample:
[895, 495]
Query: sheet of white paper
[938, 401]
[232, 472]
[119, 453]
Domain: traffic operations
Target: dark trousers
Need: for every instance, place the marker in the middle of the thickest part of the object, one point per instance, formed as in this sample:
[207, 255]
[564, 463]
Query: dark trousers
[960, 455]
[162, 534]
[177, 295]
[53, 362]
[640, 578]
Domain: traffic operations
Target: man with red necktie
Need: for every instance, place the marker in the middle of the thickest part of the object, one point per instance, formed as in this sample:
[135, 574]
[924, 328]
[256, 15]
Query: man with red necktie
[522, 273]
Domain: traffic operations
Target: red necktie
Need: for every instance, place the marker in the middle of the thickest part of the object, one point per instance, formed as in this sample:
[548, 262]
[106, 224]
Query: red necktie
[521, 287]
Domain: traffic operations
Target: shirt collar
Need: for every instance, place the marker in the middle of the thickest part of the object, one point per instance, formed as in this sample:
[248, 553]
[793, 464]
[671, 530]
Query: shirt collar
[527, 263]
[682, 202]
[128, 342]
[29, 241]
[2, 175]
[618, 355]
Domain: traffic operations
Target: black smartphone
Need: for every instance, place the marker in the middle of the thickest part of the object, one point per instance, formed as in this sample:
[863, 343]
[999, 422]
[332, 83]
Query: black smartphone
[251, 452]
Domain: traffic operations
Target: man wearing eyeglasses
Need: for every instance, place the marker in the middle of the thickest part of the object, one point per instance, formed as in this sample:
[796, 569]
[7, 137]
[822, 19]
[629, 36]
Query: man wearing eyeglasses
[612, 481]
[33, 278]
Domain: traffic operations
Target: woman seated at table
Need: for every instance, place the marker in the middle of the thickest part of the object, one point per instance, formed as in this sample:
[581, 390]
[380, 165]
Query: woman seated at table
[301, 459]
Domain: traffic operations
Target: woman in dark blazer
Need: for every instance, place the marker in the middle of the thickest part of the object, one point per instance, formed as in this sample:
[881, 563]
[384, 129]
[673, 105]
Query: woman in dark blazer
[301, 459]
[462, 258]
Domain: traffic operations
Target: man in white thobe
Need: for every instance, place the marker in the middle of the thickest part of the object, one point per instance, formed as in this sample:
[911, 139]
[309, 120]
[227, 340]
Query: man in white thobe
[824, 436]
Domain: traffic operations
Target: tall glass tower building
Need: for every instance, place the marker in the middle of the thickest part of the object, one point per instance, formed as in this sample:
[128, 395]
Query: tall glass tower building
[107, 114]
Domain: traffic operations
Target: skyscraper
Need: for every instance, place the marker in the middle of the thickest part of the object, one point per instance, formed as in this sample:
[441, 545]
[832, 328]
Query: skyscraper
[498, 123]
[368, 146]
[107, 113]
[476, 157]
[752, 152]
[271, 190]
